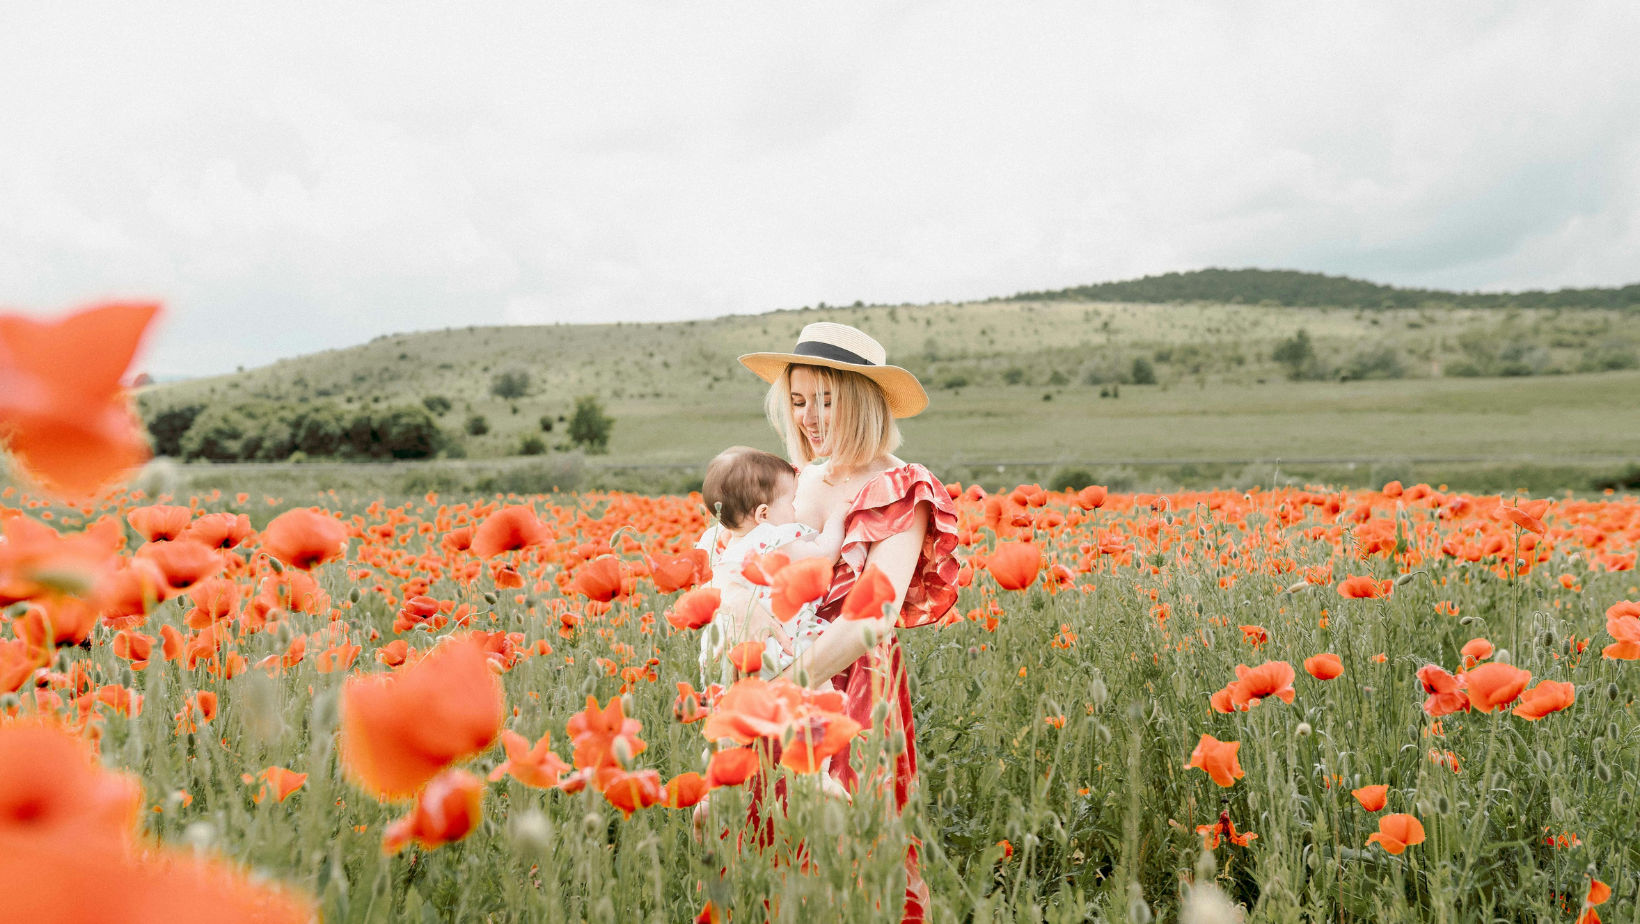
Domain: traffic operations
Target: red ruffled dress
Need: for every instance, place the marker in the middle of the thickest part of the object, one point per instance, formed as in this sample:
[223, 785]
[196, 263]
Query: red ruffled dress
[885, 507]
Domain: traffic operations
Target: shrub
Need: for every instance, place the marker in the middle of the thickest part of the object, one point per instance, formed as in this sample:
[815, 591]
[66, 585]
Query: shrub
[1014, 376]
[438, 404]
[1143, 372]
[532, 445]
[167, 427]
[514, 383]
[1058, 378]
[478, 425]
[546, 423]
[406, 432]
[1383, 362]
[590, 426]
[1070, 479]
[1604, 357]
[956, 381]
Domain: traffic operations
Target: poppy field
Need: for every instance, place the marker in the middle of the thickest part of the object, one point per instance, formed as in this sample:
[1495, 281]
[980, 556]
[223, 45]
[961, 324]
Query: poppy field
[1403, 703]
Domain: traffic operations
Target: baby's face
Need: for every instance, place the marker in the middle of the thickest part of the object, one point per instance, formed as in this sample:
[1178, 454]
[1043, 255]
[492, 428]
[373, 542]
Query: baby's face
[783, 508]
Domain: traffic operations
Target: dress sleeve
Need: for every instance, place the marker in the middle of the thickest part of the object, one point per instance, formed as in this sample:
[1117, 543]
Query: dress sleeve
[888, 506]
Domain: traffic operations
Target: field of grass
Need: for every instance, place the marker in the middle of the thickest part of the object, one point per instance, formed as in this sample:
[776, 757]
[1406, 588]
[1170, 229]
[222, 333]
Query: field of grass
[1055, 724]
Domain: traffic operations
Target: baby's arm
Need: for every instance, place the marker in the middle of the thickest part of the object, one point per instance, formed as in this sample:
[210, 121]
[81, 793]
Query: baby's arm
[828, 545]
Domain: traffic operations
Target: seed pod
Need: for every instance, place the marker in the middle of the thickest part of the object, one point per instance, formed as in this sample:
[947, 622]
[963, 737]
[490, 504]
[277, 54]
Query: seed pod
[490, 598]
[1612, 693]
[1603, 771]
[354, 595]
[1503, 656]
[896, 743]
[1097, 693]
[879, 713]
[1557, 808]
[1544, 761]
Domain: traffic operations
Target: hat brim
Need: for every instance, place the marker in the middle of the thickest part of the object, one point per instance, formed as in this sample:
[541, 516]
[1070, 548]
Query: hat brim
[905, 395]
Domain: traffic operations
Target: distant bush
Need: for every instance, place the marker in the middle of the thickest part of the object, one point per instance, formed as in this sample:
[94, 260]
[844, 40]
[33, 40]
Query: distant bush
[1295, 353]
[956, 381]
[1143, 372]
[1603, 357]
[1500, 350]
[1383, 362]
[590, 426]
[514, 383]
[438, 404]
[532, 445]
[166, 427]
[1058, 378]
[478, 425]
[546, 423]
[266, 431]
[1070, 479]
[1014, 376]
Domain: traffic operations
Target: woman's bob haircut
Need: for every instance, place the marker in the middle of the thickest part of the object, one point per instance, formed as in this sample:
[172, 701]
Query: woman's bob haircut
[862, 430]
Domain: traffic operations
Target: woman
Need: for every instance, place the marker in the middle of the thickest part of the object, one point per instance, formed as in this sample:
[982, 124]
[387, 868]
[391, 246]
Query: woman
[834, 400]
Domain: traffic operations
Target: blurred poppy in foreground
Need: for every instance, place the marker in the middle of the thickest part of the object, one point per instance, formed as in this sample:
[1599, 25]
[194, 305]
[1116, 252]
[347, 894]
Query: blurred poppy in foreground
[447, 810]
[1397, 832]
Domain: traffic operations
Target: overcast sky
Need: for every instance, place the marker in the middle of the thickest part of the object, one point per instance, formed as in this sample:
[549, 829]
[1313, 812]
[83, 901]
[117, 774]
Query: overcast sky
[291, 177]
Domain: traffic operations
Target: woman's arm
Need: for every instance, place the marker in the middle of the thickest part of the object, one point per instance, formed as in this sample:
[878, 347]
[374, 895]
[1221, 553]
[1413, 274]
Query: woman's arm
[844, 640]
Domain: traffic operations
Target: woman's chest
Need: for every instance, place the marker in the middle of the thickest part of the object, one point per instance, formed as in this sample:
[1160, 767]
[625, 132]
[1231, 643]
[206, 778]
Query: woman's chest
[817, 501]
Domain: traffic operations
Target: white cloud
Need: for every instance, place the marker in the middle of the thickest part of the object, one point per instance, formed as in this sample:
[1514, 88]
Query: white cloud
[295, 177]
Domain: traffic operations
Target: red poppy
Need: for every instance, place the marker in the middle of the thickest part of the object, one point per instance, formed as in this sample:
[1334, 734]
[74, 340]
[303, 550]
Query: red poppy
[630, 792]
[751, 709]
[1623, 624]
[747, 657]
[1015, 564]
[797, 584]
[595, 733]
[600, 580]
[1254, 685]
[1528, 516]
[1325, 666]
[695, 609]
[1397, 832]
[1475, 651]
[1372, 798]
[1225, 828]
[869, 596]
[277, 782]
[399, 730]
[447, 810]
[1365, 588]
[1599, 893]
[685, 790]
[1218, 759]
[160, 521]
[304, 538]
[731, 767]
[674, 573]
[1548, 696]
[535, 766]
[1091, 497]
[220, 530]
[184, 562]
[815, 737]
[63, 413]
[50, 782]
[132, 646]
[1494, 685]
[1446, 694]
[687, 707]
[509, 529]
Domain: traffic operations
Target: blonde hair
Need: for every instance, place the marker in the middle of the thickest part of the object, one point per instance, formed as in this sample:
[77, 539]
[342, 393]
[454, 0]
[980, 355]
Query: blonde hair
[862, 429]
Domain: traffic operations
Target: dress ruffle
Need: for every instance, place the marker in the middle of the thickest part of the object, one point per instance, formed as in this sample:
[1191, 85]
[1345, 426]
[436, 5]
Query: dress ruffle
[885, 507]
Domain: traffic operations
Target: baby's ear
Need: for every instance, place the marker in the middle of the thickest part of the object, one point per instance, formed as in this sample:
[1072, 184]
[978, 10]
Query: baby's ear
[761, 514]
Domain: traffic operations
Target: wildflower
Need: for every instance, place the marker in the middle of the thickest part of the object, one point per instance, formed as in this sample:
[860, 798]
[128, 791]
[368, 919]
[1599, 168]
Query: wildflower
[400, 730]
[1372, 798]
[747, 657]
[507, 530]
[630, 792]
[1379, 658]
[695, 609]
[1091, 497]
[687, 707]
[1254, 635]
[797, 584]
[448, 809]
[1252, 686]
[1015, 565]
[276, 782]
[1623, 624]
[1218, 759]
[304, 538]
[685, 790]
[63, 414]
[1397, 832]
[1475, 651]
[1548, 696]
[871, 593]
[535, 766]
[675, 573]
[1364, 588]
[732, 766]
[183, 562]
[1324, 666]
[160, 521]
[1494, 685]
[219, 530]
[598, 733]
[1599, 893]
[599, 580]
[1528, 516]
[51, 783]
[1225, 828]
[1446, 694]
[1007, 849]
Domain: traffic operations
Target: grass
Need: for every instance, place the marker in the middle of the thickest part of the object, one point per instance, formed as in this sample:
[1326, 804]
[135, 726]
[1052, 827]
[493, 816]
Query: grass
[1097, 808]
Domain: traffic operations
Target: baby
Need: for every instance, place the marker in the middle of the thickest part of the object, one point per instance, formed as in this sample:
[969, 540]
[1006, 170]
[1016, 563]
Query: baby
[752, 493]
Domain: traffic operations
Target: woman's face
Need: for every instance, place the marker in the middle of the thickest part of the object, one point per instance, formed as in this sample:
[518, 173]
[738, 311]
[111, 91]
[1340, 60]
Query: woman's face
[811, 408]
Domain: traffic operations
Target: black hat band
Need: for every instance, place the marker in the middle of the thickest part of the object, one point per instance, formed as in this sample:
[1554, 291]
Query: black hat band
[834, 353]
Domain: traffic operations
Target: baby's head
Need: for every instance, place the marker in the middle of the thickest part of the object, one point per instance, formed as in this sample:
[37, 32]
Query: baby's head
[747, 487]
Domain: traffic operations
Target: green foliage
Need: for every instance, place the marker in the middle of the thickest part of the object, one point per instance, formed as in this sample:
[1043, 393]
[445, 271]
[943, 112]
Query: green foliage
[1058, 379]
[514, 383]
[1609, 356]
[265, 431]
[1292, 288]
[1071, 479]
[1143, 372]
[1014, 376]
[953, 382]
[1384, 362]
[546, 423]
[1296, 354]
[438, 404]
[532, 445]
[166, 427]
[478, 425]
[590, 427]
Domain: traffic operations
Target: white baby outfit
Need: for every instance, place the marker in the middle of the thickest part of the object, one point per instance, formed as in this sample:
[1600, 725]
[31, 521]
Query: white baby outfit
[727, 556]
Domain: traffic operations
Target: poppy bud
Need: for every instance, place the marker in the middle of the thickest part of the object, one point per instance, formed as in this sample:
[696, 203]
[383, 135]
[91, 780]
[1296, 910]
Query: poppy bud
[354, 595]
[1303, 730]
[879, 712]
[1295, 588]
[802, 677]
[1500, 780]
[973, 652]
[1207, 867]
[628, 705]
[277, 565]
[623, 753]
[896, 743]
[869, 635]
[532, 832]
[490, 598]
[1102, 733]
[1425, 807]
[1548, 640]
[1442, 805]
[1612, 692]
[1545, 761]
[1138, 911]
[1502, 657]
[1611, 727]
[1405, 579]
[1603, 771]
[1097, 693]
[1557, 808]
[593, 823]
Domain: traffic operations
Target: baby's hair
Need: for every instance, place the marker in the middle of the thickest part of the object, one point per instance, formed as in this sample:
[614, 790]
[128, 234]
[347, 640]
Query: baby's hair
[741, 479]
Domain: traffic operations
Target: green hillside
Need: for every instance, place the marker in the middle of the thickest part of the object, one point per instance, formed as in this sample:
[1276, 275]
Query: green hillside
[1054, 379]
[1292, 288]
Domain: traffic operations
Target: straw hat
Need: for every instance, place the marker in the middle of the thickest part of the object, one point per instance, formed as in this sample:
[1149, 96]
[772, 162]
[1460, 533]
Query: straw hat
[838, 346]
